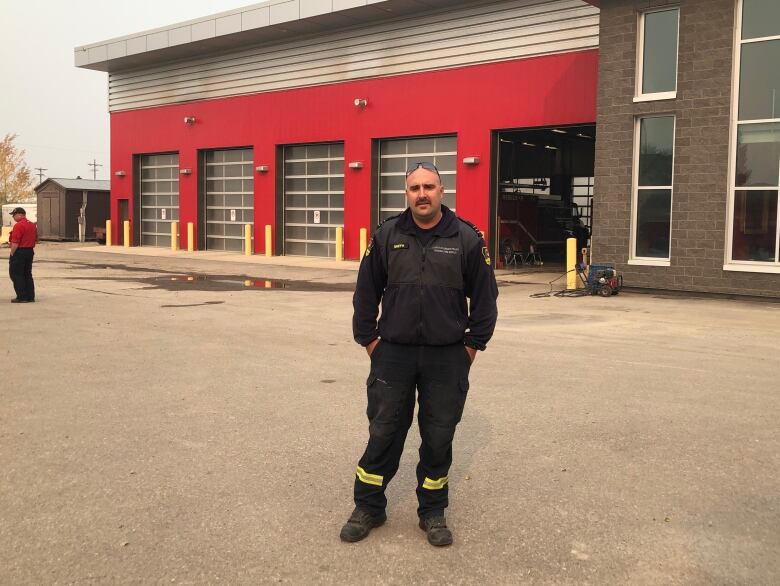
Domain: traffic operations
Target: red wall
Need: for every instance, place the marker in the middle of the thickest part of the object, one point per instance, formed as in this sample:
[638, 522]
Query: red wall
[469, 101]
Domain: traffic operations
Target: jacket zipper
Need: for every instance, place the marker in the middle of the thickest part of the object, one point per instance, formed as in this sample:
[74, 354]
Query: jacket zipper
[422, 270]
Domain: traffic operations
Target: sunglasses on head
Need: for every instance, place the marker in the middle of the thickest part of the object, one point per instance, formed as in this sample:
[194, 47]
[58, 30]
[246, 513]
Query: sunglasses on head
[424, 165]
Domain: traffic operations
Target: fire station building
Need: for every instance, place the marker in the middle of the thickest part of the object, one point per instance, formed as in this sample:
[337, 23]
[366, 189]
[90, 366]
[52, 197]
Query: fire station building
[659, 147]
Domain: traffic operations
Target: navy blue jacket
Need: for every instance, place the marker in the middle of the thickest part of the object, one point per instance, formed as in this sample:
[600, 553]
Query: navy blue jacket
[439, 294]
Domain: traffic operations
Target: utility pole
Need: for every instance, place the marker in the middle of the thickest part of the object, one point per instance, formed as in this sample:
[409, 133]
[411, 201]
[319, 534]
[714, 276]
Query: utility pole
[94, 164]
[40, 174]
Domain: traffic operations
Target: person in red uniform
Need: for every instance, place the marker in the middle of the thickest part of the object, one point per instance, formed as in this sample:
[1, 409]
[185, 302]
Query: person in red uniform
[24, 236]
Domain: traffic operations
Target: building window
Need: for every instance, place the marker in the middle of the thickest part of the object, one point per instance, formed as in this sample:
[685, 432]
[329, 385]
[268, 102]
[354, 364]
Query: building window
[657, 55]
[754, 236]
[652, 201]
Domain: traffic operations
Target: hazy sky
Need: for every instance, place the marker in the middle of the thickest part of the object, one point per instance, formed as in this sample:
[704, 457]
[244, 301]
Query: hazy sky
[59, 112]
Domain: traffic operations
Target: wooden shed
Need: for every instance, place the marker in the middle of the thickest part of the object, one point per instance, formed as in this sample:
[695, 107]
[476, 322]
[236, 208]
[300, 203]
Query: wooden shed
[59, 207]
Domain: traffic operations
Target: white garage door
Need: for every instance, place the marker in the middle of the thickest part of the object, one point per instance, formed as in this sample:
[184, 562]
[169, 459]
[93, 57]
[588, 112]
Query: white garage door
[313, 198]
[159, 198]
[229, 198]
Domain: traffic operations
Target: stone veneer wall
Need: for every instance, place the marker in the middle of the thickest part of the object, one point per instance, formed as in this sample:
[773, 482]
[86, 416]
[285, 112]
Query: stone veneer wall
[702, 109]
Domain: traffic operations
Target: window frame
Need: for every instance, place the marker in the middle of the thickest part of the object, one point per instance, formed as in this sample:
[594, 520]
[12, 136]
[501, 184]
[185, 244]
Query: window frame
[639, 95]
[633, 259]
[729, 264]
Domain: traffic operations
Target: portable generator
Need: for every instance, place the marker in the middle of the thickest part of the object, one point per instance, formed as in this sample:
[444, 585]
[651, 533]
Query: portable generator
[604, 280]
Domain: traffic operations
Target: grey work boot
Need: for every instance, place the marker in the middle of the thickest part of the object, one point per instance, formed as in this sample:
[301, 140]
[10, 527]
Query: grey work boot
[360, 524]
[436, 528]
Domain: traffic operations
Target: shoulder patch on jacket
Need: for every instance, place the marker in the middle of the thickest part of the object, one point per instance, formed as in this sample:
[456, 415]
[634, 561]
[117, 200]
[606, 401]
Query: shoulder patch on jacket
[473, 227]
[369, 248]
[486, 255]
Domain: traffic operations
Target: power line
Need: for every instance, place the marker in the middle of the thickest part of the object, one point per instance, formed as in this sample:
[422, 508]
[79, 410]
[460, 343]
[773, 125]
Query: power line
[40, 174]
[94, 164]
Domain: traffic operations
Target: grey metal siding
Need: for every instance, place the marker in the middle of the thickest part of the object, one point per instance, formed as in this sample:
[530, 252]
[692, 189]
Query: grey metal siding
[482, 33]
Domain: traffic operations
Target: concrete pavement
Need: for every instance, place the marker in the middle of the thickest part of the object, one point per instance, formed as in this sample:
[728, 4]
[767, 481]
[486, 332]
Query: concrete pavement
[161, 429]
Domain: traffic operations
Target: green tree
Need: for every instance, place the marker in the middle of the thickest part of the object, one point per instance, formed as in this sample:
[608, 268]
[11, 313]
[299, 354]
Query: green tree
[16, 178]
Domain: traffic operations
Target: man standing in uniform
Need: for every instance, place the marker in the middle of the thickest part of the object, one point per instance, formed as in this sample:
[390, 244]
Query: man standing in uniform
[432, 273]
[24, 236]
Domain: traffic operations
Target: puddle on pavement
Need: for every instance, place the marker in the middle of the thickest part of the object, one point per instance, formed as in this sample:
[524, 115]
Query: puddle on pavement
[222, 283]
[170, 281]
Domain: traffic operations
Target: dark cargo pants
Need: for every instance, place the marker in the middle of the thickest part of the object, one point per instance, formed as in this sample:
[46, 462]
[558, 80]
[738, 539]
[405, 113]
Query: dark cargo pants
[20, 271]
[440, 376]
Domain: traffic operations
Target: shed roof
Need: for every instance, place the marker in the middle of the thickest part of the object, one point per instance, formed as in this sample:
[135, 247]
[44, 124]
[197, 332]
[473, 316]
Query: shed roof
[78, 184]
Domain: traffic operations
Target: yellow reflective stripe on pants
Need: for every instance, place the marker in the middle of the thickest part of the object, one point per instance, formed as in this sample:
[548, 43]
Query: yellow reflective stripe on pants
[367, 478]
[435, 484]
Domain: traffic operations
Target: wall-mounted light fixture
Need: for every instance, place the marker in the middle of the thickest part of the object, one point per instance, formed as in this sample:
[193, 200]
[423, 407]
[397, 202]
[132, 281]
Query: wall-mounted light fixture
[356, 165]
[189, 120]
[361, 102]
[120, 173]
[262, 168]
[471, 161]
[185, 171]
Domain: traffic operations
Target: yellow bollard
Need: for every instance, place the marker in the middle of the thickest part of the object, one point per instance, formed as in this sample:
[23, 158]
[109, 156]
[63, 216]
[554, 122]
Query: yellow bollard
[571, 264]
[339, 243]
[174, 236]
[363, 242]
[268, 244]
[127, 233]
[108, 233]
[248, 239]
[190, 237]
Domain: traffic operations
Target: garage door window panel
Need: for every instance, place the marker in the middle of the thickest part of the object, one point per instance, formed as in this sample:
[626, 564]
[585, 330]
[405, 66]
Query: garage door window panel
[317, 185]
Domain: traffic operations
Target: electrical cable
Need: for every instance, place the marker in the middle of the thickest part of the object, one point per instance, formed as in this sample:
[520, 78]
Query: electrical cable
[564, 292]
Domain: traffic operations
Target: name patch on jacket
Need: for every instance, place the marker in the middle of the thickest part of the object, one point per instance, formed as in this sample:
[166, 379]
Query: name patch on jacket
[445, 249]
[399, 245]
